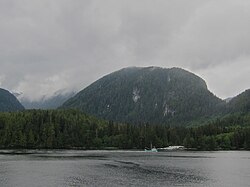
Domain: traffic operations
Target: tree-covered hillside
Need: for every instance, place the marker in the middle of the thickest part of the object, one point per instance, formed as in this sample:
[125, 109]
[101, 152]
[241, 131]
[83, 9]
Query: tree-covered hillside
[8, 102]
[152, 94]
[49, 129]
[240, 103]
[73, 129]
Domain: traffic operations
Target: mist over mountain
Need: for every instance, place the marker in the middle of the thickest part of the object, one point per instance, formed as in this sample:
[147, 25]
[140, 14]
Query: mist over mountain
[52, 102]
[150, 94]
[8, 102]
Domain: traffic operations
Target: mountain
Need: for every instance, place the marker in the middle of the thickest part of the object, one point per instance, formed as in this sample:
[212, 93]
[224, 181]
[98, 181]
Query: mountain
[53, 102]
[227, 100]
[8, 102]
[150, 94]
[240, 103]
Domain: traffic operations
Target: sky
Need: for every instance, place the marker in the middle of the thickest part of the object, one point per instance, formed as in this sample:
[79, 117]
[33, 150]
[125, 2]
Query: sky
[49, 45]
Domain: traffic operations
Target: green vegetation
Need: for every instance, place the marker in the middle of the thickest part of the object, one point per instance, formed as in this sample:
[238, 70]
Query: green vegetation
[73, 129]
[133, 101]
[148, 95]
[8, 102]
[240, 103]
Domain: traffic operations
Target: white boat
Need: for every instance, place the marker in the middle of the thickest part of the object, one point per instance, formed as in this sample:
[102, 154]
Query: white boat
[171, 148]
[152, 149]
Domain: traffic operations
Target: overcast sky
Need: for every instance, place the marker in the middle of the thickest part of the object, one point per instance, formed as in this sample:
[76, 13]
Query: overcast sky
[47, 45]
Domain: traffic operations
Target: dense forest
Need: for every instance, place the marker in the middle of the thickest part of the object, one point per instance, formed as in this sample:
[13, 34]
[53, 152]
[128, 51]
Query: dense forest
[151, 94]
[74, 129]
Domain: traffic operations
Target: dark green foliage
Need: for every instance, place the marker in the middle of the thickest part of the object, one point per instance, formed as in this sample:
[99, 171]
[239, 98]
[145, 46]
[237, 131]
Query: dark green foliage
[73, 129]
[49, 129]
[240, 103]
[153, 95]
[8, 102]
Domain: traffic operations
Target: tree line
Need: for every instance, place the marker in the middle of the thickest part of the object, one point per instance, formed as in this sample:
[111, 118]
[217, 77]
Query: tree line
[73, 129]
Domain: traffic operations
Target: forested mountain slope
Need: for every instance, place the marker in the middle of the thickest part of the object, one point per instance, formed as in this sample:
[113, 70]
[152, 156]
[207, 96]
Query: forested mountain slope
[9, 102]
[240, 103]
[152, 94]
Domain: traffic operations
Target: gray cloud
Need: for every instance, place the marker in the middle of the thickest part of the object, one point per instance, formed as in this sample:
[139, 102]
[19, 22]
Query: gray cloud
[218, 32]
[50, 45]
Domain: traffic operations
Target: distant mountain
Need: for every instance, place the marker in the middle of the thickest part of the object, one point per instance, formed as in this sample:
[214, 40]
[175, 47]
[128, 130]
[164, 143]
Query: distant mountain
[8, 102]
[52, 102]
[151, 94]
[240, 103]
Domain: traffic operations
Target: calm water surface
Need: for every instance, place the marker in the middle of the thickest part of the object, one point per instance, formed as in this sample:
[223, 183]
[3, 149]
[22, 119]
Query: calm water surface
[124, 168]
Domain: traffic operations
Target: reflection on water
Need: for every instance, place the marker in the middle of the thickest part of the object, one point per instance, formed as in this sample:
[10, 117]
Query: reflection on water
[123, 168]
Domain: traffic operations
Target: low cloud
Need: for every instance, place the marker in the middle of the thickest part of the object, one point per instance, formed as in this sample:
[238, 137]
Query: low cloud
[49, 45]
[217, 33]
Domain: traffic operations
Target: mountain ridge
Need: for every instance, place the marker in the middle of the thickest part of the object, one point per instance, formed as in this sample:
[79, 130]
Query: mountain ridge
[147, 94]
[8, 102]
[240, 103]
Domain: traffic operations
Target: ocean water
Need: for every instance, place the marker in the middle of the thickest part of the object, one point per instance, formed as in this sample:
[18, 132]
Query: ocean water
[123, 168]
